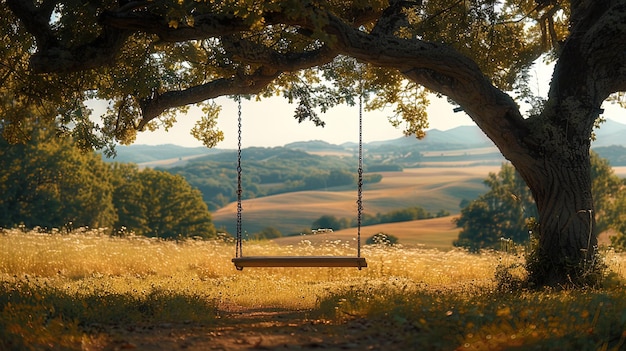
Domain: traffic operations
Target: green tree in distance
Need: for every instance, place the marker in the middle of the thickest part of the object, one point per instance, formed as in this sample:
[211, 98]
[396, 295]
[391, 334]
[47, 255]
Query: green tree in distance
[607, 191]
[128, 199]
[330, 222]
[500, 213]
[158, 204]
[152, 59]
[50, 183]
[268, 233]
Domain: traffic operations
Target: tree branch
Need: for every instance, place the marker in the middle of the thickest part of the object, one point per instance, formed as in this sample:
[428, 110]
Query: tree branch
[52, 55]
[36, 19]
[598, 46]
[442, 69]
[249, 52]
[273, 62]
[589, 68]
[205, 26]
[394, 16]
[153, 107]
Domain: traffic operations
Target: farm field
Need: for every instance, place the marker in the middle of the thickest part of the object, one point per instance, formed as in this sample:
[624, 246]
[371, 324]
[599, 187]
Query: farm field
[88, 291]
[433, 189]
[437, 233]
[620, 171]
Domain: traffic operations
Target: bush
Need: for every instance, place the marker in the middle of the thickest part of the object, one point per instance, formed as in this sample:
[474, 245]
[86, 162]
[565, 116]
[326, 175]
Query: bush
[267, 233]
[382, 239]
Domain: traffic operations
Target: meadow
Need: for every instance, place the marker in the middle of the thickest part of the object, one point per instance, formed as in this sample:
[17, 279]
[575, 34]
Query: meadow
[86, 290]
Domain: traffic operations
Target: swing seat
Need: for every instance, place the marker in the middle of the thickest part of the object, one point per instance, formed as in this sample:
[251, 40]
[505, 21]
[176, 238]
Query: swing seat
[299, 261]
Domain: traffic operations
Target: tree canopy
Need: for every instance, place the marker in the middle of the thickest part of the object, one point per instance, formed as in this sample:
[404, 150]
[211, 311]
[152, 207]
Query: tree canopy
[48, 183]
[158, 204]
[152, 59]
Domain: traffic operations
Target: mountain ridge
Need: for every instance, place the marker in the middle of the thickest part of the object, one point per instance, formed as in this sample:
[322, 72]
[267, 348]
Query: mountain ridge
[463, 138]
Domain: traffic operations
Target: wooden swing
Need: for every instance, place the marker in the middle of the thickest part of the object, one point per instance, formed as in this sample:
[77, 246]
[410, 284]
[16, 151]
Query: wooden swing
[357, 261]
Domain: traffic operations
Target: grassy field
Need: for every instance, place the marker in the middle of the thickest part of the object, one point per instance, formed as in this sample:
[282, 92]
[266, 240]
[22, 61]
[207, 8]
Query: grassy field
[437, 233]
[433, 189]
[87, 291]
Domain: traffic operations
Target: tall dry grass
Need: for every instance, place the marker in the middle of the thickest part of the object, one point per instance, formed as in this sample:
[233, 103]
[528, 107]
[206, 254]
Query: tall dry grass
[88, 258]
[53, 286]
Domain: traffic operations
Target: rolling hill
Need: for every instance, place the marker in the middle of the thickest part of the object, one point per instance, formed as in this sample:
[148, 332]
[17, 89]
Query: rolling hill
[433, 189]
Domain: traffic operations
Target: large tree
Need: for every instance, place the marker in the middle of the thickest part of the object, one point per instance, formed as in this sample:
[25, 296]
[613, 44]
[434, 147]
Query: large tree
[150, 59]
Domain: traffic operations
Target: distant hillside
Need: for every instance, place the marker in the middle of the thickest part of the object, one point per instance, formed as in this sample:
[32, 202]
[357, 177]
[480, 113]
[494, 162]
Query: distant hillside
[432, 189]
[463, 137]
[610, 133]
[315, 146]
[267, 171]
[151, 153]
[461, 144]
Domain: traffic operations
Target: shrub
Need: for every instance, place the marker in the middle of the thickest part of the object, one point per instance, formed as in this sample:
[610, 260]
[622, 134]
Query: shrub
[382, 239]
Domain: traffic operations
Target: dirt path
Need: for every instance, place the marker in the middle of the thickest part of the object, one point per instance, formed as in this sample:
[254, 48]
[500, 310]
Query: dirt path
[243, 330]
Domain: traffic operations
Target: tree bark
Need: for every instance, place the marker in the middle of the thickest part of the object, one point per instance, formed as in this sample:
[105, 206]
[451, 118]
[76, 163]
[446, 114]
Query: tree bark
[566, 251]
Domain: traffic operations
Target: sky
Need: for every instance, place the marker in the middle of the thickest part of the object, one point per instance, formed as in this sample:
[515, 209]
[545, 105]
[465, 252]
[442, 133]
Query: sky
[270, 123]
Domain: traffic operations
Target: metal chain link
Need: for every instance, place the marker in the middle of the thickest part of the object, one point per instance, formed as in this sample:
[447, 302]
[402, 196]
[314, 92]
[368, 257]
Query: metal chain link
[239, 248]
[359, 200]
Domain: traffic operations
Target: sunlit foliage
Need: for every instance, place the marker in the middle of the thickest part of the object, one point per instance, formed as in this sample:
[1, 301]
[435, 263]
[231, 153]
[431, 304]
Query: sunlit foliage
[264, 41]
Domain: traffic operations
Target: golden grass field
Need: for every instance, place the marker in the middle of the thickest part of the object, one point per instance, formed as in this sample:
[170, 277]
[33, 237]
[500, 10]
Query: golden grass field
[88, 291]
[435, 233]
[85, 290]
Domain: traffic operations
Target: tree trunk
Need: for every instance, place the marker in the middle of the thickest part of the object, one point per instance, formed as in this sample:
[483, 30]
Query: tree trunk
[565, 255]
[558, 173]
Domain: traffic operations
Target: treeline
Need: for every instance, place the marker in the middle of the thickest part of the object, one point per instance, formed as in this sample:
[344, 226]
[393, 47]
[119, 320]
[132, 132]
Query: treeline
[49, 183]
[268, 171]
[401, 215]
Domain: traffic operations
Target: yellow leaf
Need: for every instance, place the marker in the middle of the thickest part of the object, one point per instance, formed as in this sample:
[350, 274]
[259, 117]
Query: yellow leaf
[173, 24]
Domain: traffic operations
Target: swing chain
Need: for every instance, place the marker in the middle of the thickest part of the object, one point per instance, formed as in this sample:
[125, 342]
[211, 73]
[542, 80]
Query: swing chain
[239, 246]
[359, 200]
[239, 238]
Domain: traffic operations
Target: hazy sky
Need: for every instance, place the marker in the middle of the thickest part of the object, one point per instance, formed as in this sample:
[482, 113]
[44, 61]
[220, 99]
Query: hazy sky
[271, 123]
